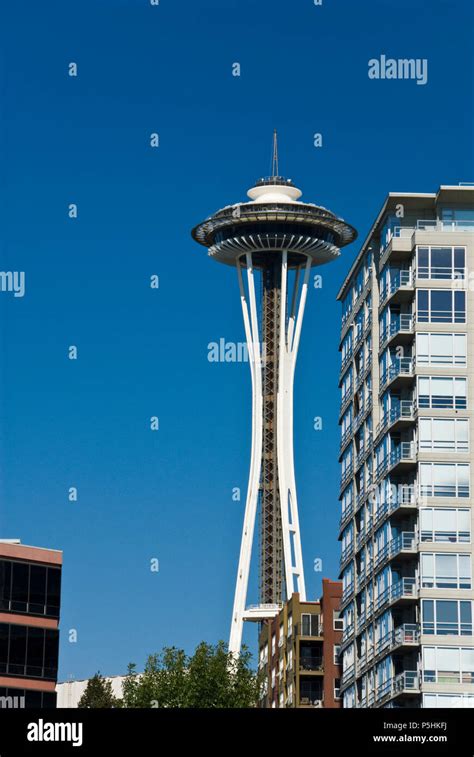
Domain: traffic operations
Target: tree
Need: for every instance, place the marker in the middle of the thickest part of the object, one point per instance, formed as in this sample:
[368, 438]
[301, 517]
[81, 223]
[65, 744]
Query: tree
[211, 677]
[98, 694]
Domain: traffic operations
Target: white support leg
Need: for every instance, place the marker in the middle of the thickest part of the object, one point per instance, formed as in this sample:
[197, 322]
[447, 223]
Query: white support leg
[255, 358]
[288, 349]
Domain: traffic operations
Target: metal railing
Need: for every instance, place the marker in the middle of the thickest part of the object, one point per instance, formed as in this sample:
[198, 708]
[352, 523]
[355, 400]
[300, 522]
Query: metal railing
[403, 278]
[405, 497]
[404, 542]
[401, 325]
[408, 633]
[405, 452]
[311, 663]
[405, 587]
[405, 410]
[403, 366]
[441, 225]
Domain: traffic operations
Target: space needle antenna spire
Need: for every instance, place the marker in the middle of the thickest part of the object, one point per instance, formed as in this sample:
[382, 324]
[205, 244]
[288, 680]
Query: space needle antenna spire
[275, 154]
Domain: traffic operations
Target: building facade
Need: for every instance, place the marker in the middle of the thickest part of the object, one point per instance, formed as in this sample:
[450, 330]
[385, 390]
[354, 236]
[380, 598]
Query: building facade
[407, 391]
[299, 652]
[30, 590]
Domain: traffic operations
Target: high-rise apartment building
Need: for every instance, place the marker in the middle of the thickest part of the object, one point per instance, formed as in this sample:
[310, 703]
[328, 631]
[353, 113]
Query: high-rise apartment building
[299, 652]
[407, 440]
[30, 588]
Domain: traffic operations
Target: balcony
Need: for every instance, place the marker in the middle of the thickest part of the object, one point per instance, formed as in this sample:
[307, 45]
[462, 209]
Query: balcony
[401, 592]
[365, 661]
[446, 226]
[346, 516]
[345, 400]
[311, 664]
[346, 554]
[399, 330]
[347, 633]
[403, 502]
[405, 636]
[348, 675]
[400, 240]
[346, 475]
[365, 615]
[403, 544]
[346, 360]
[398, 417]
[367, 701]
[399, 289]
[347, 592]
[397, 374]
[363, 371]
[346, 438]
[400, 459]
[363, 412]
[364, 533]
[404, 683]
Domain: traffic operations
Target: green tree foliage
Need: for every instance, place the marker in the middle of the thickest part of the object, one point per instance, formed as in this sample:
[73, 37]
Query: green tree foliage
[211, 677]
[98, 694]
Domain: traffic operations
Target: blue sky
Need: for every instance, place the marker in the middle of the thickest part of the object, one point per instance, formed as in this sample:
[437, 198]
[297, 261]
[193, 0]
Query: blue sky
[85, 140]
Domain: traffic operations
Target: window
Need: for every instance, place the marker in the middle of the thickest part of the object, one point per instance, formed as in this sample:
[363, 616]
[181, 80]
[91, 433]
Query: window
[273, 644]
[444, 479]
[448, 665]
[441, 306]
[445, 571]
[441, 262]
[446, 616]
[444, 434]
[448, 700]
[437, 392]
[28, 651]
[441, 349]
[290, 624]
[337, 688]
[450, 525]
[338, 622]
[309, 624]
[337, 652]
[29, 588]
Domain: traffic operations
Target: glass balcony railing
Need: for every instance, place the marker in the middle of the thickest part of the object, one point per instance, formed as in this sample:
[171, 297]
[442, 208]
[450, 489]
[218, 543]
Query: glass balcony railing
[404, 410]
[404, 542]
[441, 225]
[407, 634]
[401, 325]
[405, 497]
[403, 453]
[404, 588]
[401, 280]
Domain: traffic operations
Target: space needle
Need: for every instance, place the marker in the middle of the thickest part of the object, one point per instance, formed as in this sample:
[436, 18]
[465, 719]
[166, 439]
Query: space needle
[273, 241]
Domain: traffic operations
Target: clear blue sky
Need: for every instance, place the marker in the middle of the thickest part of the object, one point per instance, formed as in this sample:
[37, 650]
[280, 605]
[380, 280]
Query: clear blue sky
[167, 69]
